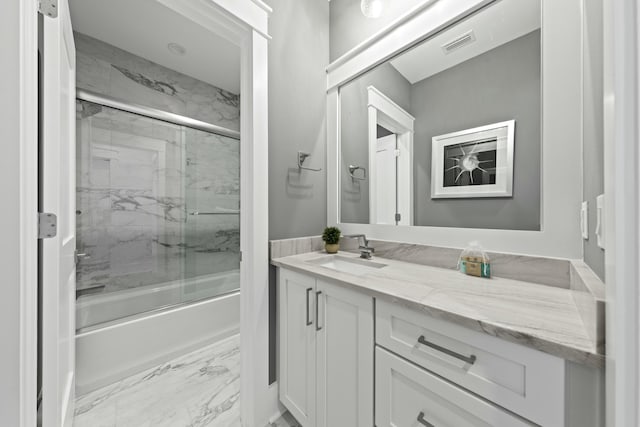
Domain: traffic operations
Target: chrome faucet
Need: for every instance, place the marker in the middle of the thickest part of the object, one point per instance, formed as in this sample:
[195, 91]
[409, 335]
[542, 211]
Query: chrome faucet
[363, 245]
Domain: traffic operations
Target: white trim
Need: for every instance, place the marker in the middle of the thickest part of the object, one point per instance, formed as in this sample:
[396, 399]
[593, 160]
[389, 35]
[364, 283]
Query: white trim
[28, 212]
[258, 400]
[230, 18]
[622, 210]
[350, 54]
[19, 184]
[433, 16]
[262, 5]
[382, 110]
[382, 102]
[333, 157]
[561, 133]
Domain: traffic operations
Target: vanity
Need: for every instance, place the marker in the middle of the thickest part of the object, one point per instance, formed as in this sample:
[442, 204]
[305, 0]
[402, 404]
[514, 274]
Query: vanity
[461, 121]
[392, 343]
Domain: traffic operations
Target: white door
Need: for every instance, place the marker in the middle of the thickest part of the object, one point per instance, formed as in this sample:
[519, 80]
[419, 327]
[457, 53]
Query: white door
[57, 189]
[297, 376]
[344, 344]
[384, 183]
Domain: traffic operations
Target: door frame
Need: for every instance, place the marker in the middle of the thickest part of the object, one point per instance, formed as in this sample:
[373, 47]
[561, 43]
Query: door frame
[245, 23]
[19, 187]
[382, 110]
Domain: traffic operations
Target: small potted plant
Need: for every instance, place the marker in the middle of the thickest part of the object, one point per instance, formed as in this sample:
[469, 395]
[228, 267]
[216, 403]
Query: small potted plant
[331, 237]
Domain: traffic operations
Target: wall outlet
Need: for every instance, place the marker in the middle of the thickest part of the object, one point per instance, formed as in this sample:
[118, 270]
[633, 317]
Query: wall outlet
[584, 220]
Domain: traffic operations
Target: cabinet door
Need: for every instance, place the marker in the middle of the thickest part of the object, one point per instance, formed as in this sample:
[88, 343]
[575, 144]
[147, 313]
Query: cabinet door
[345, 357]
[297, 345]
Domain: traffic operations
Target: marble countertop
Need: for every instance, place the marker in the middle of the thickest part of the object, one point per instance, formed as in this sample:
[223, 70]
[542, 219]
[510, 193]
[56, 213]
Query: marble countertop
[542, 317]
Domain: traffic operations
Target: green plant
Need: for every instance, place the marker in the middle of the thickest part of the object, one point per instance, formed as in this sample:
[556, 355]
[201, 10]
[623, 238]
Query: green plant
[331, 235]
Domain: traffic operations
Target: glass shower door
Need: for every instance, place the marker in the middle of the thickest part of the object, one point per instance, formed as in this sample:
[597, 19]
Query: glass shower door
[157, 214]
[212, 227]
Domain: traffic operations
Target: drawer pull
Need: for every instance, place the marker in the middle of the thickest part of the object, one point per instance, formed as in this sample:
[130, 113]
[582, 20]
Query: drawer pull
[424, 422]
[309, 322]
[470, 360]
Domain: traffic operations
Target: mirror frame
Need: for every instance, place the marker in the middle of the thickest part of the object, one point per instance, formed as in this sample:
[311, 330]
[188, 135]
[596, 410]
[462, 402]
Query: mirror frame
[562, 95]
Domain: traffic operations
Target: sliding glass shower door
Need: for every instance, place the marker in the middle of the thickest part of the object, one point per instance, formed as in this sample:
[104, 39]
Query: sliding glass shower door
[157, 214]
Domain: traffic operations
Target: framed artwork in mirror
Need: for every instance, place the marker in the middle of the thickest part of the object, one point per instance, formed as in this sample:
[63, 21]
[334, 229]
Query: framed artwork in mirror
[475, 162]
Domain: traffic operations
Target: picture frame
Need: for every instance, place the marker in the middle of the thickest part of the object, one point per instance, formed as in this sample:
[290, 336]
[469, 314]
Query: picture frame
[476, 162]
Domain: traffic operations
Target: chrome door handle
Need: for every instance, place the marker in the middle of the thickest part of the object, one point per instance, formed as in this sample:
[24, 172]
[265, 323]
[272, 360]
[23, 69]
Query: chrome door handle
[318, 327]
[424, 422]
[469, 359]
[309, 322]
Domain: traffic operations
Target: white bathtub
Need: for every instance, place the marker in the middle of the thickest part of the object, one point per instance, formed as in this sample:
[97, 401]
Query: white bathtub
[114, 350]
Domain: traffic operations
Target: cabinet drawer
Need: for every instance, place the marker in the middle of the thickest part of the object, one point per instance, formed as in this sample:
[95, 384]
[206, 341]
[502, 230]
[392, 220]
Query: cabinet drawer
[525, 381]
[407, 396]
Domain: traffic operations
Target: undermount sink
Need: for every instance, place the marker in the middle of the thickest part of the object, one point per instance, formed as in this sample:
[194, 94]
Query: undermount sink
[355, 266]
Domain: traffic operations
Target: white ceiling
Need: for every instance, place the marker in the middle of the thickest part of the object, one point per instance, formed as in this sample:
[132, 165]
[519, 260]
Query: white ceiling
[495, 25]
[145, 27]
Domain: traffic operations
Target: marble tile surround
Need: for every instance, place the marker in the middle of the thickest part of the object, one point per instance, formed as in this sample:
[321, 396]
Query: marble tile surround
[545, 271]
[108, 70]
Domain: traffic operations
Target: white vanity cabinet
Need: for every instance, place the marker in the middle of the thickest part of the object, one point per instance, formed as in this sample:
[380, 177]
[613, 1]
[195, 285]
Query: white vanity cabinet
[427, 371]
[326, 344]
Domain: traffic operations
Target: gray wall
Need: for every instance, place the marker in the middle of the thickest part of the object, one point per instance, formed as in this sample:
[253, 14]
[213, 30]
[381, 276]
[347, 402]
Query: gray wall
[354, 194]
[349, 27]
[298, 56]
[593, 150]
[502, 84]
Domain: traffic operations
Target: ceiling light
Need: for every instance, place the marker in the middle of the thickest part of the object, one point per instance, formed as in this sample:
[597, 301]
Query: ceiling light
[176, 49]
[371, 8]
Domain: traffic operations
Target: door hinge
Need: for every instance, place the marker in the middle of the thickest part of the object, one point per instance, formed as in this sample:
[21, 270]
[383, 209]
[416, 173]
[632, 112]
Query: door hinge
[396, 153]
[398, 217]
[48, 8]
[47, 225]
[240, 256]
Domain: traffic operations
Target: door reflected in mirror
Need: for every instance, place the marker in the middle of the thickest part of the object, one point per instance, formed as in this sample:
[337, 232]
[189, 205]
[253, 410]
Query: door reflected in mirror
[420, 126]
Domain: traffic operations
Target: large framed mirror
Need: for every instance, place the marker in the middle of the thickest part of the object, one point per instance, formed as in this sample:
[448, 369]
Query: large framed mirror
[413, 124]
[459, 122]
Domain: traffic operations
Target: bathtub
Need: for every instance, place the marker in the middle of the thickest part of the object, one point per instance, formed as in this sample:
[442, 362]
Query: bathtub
[111, 350]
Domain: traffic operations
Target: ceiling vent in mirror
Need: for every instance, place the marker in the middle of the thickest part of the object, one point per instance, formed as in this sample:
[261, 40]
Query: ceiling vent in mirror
[460, 41]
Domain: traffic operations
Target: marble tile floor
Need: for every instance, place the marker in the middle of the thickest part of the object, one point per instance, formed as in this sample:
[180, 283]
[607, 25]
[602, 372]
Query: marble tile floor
[199, 389]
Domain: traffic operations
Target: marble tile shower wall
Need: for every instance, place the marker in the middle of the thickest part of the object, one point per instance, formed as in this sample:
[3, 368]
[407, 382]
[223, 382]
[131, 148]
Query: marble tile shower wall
[108, 70]
[139, 179]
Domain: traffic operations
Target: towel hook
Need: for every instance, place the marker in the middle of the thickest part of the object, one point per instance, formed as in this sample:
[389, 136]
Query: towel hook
[301, 158]
[353, 168]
